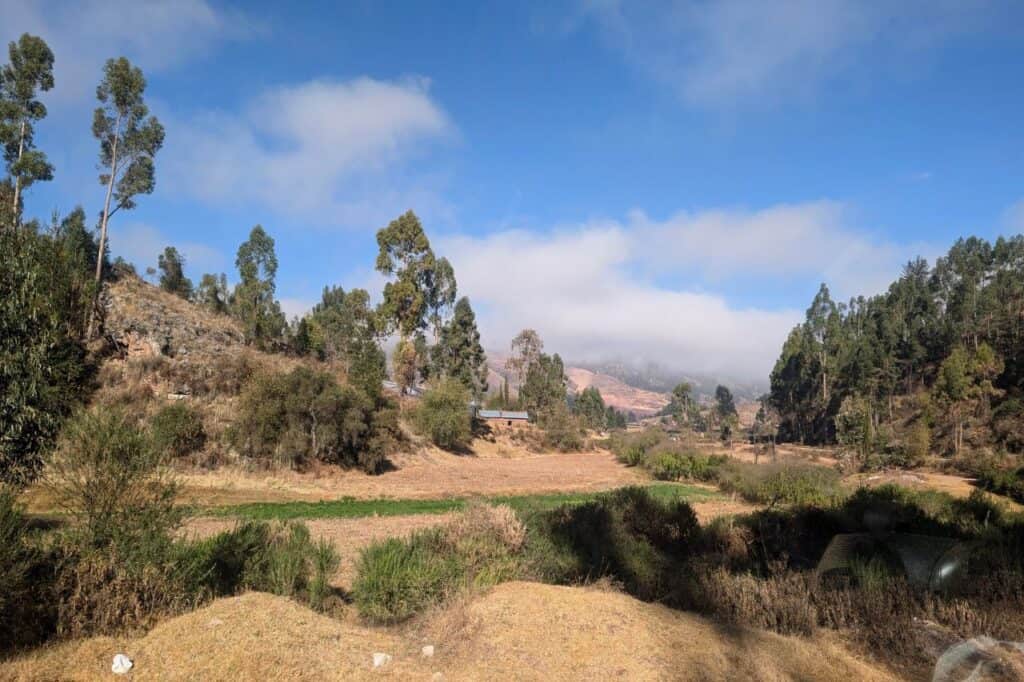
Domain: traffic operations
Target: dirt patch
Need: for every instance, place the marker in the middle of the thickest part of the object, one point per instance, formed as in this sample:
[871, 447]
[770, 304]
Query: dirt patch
[431, 475]
[516, 631]
[951, 484]
[787, 452]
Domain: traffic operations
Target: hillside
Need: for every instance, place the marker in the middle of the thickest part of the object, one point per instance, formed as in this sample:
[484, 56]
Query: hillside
[651, 376]
[615, 392]
[505, 634]
[619, 395]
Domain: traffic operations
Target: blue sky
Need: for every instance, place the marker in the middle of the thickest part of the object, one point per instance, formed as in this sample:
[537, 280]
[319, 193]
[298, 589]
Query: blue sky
[663, 181]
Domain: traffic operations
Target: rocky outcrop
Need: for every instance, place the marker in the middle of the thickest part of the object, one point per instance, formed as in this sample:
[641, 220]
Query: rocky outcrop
[142, 320]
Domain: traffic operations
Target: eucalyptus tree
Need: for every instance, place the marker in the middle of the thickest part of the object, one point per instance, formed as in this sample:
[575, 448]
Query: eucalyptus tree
[458, 353]
[29, 72]
[252, 301]
[172, 273]
[129, 140]
[405, 255]
[212, 293]
[441, 292]
[526, 347]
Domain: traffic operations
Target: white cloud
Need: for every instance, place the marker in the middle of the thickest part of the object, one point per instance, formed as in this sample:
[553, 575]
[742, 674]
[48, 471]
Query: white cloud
[323, 149]
[575, 289]
[155, 34]
[141, 244]
[722, 53]
[581, 287]
[786, 240]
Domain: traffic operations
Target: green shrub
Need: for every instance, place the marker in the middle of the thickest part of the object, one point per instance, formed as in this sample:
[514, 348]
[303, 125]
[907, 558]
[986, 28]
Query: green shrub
[398, 578]
[279, 558]
[633, 456]
[918, 445]
[177, 430]
[231, 560]
[443, 415]
[25, 591]
[561, 429]
[304, 415]
[632, 448]
[107, 474]
[674, 464]
[774, 484]
[625, 535]
[325, 563]
[1003, 482]
[45, 291]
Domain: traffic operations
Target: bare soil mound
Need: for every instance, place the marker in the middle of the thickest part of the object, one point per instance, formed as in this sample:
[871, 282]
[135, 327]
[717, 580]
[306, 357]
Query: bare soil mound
[516, 631]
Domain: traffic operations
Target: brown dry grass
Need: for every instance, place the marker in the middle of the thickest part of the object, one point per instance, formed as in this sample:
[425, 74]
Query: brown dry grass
[430, 474]
[517, 631]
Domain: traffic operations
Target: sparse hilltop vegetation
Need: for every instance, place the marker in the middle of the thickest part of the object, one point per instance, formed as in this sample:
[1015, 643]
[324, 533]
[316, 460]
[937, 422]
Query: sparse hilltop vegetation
[194, 482]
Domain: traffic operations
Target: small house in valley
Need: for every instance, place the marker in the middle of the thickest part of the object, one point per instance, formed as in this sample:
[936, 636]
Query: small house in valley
[503, 418]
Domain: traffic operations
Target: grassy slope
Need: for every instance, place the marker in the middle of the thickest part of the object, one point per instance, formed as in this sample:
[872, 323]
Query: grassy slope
[349, 508]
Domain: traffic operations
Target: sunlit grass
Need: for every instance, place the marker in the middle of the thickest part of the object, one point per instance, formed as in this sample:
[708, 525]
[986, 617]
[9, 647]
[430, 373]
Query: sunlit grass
[351, 508]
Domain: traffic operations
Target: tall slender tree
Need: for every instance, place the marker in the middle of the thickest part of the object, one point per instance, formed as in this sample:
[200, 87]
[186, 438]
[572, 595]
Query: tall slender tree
[253, 301]
[526, 347]
[458, 353]
[29, 72]
[405, 254]
[129, 140]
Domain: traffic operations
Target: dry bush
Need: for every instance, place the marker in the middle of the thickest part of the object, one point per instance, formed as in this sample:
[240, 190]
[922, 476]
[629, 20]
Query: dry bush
[102, 593]
[480, 519]
[727, 542]
[779, 603]
[225, 375]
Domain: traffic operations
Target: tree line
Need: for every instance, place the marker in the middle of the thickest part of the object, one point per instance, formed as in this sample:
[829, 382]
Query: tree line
[934, 363]
[52, 275]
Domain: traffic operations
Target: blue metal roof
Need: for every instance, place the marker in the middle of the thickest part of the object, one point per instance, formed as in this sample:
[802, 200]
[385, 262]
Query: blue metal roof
[502, 414]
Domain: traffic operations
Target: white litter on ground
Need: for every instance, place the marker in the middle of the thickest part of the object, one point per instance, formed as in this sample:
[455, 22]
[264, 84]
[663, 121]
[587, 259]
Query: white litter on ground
[121, 665]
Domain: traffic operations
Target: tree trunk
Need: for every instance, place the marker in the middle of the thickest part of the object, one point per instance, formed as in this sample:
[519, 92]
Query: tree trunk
[103, 224]
[15, 216]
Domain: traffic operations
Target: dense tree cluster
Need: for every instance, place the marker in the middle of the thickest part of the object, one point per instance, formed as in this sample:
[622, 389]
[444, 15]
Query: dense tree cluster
[589, 407]
[951, 336]
[46, 290]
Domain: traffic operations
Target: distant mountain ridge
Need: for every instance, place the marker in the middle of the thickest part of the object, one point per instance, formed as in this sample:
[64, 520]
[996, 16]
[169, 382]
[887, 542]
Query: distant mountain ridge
[650, 376]
[643, 389]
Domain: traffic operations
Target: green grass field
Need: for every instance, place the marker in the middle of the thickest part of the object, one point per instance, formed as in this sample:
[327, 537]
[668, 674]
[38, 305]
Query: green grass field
[351, 508]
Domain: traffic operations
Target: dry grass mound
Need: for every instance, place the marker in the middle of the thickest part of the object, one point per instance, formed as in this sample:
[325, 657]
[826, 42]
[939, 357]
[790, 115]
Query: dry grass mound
[516, 631]
[528, 630]
[254, 636]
